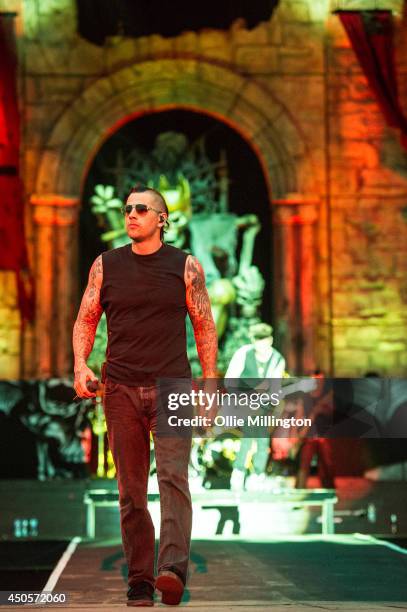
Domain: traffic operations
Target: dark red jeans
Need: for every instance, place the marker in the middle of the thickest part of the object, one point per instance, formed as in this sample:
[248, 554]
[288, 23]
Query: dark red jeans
[131, 413]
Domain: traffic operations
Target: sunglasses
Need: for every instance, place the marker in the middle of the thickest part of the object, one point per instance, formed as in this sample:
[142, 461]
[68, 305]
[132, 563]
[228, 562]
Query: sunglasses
[141, 209]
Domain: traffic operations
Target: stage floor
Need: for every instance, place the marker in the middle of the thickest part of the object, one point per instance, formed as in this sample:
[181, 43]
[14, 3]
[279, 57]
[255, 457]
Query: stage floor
[340, 572]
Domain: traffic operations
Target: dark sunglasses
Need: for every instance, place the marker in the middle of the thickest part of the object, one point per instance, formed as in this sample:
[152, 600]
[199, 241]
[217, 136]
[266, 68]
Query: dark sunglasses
[141, 209]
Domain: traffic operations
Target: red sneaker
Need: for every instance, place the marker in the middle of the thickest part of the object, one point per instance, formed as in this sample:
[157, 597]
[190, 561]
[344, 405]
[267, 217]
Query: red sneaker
[171, 587]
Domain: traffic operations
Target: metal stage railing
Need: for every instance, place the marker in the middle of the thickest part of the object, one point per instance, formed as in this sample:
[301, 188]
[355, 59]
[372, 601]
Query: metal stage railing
[326, 498]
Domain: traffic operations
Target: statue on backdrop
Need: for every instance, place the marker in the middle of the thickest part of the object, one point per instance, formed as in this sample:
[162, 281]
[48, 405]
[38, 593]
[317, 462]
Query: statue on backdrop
[195, 189]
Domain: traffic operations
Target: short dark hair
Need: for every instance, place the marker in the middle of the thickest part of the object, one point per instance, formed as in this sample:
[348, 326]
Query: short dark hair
[140, 188]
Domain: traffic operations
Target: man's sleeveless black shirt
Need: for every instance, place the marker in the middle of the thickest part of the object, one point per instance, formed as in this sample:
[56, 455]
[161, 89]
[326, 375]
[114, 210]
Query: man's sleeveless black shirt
[144, 299]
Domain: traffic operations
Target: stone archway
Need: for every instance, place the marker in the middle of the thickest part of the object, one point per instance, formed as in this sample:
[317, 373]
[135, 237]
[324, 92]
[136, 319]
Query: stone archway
[150, 86]
[247, 106]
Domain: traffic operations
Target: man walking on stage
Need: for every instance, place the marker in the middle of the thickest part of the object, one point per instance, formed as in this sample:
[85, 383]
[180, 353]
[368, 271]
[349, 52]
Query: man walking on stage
[146, 289]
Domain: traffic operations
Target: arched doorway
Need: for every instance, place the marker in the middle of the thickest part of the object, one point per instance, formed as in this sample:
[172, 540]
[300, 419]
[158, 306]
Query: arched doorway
[240, 185]
[247, 189]
[155, 86]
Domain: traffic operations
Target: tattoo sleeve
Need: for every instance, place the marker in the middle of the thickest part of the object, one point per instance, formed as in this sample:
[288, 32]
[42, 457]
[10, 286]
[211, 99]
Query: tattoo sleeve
[199, 309]
[90, 311]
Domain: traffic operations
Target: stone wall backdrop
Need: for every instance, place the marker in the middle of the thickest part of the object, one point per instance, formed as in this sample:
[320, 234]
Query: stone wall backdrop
[368, 172]
[292, 87]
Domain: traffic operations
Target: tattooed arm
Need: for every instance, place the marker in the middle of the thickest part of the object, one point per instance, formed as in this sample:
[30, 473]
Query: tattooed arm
[84, 330]
[199, 309]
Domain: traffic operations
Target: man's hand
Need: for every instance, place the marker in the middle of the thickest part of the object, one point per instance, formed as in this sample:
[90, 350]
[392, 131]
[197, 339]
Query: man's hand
[82, 376]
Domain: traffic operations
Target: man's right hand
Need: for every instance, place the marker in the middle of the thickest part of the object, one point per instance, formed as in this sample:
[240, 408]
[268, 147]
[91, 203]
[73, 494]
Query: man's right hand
[82, 375]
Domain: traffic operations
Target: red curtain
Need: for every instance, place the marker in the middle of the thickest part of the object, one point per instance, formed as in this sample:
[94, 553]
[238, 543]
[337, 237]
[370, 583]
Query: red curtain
[371, 36]
[13, 252]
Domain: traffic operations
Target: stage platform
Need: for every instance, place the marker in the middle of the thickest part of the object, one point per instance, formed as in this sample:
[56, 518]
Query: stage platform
[340, 572]
[56, 510]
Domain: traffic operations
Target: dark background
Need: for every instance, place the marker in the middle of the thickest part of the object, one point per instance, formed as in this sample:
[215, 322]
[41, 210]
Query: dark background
[100, 18]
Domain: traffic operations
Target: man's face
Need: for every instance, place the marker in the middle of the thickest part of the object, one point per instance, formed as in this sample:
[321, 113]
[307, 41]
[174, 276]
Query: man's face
[144, 225]
[263, 346]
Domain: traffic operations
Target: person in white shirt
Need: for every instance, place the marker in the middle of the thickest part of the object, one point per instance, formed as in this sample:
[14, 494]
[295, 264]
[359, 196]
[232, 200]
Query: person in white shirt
[257, 360]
